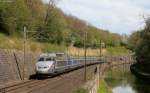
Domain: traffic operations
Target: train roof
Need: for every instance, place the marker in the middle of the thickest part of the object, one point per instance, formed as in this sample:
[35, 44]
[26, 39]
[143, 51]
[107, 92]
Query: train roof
[48, 55]
[60, 54]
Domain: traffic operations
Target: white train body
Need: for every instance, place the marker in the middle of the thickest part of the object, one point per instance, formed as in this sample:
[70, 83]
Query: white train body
[46, 64]
[49, 65]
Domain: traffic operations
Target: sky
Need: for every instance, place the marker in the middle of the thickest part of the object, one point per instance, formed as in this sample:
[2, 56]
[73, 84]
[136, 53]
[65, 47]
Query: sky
[117, 16]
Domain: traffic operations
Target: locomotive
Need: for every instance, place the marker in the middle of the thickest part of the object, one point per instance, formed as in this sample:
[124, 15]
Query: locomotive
[54, 63]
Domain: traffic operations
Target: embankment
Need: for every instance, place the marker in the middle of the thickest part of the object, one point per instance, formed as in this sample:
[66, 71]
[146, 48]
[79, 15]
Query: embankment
[12, 65]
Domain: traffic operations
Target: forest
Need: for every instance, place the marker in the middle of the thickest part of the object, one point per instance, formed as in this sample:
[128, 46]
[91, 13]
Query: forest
[49, 24]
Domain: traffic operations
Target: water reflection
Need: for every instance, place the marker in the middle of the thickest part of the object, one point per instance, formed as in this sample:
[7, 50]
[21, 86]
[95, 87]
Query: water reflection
[121, 80]
[123, 89]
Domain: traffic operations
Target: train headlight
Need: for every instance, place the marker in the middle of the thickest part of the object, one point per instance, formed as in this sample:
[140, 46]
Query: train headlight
[45, 66]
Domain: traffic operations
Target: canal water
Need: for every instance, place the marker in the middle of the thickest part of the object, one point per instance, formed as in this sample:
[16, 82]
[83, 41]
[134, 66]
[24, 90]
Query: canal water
[121, 80]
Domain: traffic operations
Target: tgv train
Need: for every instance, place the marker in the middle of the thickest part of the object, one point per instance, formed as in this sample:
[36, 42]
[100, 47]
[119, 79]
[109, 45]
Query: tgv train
[53, 63]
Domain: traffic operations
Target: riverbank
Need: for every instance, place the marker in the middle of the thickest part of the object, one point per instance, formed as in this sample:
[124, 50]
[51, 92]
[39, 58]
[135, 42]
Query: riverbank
[121, 80]
[104, 88]
[139, 73]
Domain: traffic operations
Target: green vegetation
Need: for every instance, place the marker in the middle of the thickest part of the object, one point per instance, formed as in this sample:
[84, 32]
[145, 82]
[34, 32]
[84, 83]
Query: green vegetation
[143, 49]
[51, 27]
[134, 40]
[81, 90]
[140, 43]
[17, 43]
[117, 51]
[104, 88]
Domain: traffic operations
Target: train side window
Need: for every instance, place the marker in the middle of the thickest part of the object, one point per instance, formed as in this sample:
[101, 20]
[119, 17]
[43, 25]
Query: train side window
[48, 59]
[70, 62]
[74, 62]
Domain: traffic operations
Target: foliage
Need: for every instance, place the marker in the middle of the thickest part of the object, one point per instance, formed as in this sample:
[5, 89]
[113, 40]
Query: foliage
[116, 51]
[17, 43]
[104, 88]
[51, 25]
[94, 35]
[134, 40]
[143, 49]
[140, 43]
[53, 48]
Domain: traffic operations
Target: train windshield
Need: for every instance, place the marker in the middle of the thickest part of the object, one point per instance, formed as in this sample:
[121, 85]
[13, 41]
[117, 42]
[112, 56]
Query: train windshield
[41, 59]
[44, 59]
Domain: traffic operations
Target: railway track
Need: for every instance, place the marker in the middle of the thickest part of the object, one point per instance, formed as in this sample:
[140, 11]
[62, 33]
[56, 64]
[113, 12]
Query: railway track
[27, 86]
[59, 84]
[19, 85]
[33, 86]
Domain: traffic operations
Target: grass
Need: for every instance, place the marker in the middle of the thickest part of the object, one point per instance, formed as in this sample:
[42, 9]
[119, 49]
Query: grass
[81, 51]
[117, 51]
[9, 43]
[54, 48]
[81, 90]
[104, 88]
[17, 43]
[13, 42]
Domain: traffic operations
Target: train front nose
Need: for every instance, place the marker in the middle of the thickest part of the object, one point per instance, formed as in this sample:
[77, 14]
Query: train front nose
[43, 68]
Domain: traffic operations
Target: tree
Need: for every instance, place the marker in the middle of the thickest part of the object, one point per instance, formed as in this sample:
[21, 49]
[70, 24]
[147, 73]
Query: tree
[143, 49]
[134, 40]
[50, 23]
[14, 16]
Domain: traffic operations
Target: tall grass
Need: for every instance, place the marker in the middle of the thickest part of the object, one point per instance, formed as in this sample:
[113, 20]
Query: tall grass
[9, 42]
[104, 87]
[17, 44]
[81, 90]
[81, 51]
[117, 50]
